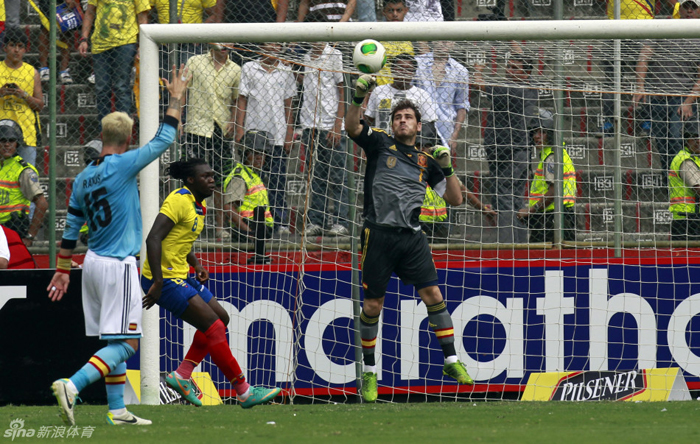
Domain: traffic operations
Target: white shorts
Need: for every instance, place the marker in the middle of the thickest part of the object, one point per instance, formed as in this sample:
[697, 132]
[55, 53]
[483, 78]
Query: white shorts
[111, 297]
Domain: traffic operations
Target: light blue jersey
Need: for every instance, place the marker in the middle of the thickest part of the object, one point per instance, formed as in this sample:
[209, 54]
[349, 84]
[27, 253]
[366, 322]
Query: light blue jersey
[106, 196]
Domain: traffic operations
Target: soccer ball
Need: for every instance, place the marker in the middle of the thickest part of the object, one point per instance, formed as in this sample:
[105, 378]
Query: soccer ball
[369, 56]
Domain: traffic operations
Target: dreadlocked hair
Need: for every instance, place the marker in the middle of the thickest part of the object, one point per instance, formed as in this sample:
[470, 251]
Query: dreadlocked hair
[182, 169]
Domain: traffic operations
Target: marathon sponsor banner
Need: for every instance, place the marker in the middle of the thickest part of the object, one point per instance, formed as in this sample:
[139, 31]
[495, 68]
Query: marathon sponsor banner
[510, 321]
[662, 384]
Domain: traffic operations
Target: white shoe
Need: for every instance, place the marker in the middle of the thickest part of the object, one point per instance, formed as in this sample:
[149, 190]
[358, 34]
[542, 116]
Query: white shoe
[313, 230]
[283, 229]
[338, 230]
[66, 400]
[91, 79]
[65, 78]
[127, 418]
[44, 74]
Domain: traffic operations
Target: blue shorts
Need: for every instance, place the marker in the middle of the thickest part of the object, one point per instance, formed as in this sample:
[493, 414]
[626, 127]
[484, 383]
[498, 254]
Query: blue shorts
[176, 293]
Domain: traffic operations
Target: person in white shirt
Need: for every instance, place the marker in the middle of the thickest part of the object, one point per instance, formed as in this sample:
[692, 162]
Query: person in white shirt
[379, 105]
[424, 11]
[265, 104]
[211, 106]
[448, 82]
[321, 119]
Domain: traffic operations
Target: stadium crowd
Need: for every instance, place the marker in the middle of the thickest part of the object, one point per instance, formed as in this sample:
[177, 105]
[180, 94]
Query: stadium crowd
[230, 109]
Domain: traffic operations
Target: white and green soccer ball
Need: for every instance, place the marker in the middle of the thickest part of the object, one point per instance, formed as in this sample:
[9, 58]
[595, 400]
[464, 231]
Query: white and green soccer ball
[369, 56]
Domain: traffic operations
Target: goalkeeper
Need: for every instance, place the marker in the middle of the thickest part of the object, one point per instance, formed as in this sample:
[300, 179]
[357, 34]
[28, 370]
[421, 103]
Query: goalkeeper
[396, 178]
[164, 279]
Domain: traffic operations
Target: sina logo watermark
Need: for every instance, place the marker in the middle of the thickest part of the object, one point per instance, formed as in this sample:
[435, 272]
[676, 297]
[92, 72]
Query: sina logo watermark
[17, 430]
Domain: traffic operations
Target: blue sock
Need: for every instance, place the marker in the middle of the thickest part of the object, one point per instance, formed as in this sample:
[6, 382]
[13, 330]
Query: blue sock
[102, 363]
[115, 383]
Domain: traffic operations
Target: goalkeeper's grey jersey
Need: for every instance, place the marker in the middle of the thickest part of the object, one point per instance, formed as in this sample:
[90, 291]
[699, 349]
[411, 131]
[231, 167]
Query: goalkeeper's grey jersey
[396, 179]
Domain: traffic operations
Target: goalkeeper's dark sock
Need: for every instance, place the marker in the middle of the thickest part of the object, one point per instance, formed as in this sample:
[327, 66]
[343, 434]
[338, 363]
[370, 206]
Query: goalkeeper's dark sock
[102, 363]
[369, 327]
[197, 352]
[222, 357]
[115, 383]
[441, 323]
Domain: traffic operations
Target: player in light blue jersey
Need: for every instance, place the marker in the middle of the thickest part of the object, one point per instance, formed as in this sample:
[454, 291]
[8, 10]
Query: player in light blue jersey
[105, 196]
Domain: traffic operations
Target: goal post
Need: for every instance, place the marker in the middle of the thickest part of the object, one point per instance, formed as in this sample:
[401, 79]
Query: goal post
[291, 278]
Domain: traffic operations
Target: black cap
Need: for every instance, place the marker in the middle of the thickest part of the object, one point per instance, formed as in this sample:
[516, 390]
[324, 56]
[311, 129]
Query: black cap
[258, 141]
[427, 135]
[691, 130]
[10, 130]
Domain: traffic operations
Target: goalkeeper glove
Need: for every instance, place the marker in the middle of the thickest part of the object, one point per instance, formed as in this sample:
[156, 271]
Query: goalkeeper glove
[442, 155]
[363, 86]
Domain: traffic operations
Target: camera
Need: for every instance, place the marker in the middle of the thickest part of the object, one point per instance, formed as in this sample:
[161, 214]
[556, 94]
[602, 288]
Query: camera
[11, 85]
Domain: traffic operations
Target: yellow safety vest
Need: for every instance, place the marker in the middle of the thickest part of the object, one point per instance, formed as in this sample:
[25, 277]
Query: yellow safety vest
[682, 197]
[255, 196]
[434, 207]
[11, 198]
[539, 187]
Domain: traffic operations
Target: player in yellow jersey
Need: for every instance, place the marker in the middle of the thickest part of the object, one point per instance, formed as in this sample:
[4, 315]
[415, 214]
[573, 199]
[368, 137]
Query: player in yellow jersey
[165, 279]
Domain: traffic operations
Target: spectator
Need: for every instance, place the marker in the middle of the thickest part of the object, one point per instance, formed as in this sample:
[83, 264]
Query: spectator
[4, 250]
[211, 114]
[506, 143]
[19, 186]
[265, 104]
[19, 255]
[254, 11]
[366, 11]
[434, 212]
[379, 105]
[190, 11]
[245, 196]
[448, 82]
[629, 10]
[113, 49]
[339, 11]
[669, 69]
[66, 43]
[424, 11]
[21, 98]
[394, 11]
[321, 117]
[684, 187]
[540, 212]
[12, 13]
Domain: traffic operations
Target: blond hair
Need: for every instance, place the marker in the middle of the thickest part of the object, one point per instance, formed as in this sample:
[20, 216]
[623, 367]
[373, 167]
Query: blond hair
[116, 128]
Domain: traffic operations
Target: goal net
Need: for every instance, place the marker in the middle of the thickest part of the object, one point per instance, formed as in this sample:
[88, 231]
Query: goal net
[560, 260]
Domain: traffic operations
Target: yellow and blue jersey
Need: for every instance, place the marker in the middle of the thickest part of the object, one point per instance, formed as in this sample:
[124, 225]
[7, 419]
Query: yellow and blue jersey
[188, 215]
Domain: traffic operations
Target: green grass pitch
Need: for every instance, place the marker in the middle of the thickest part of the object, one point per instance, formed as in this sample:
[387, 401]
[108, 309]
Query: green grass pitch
[467, 422]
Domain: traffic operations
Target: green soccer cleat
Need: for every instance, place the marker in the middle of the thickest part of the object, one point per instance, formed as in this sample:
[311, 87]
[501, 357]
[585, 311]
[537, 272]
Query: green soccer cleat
[66, 400]
[457, 371]
[259, 395]
[369, 387]
[127, 418]
[184, 388]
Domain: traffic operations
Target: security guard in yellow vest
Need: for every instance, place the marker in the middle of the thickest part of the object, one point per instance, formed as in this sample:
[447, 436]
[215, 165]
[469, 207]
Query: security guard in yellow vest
[245, 196]
[540, 211]
[433, 213]
[19, 186]
[684, 187]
